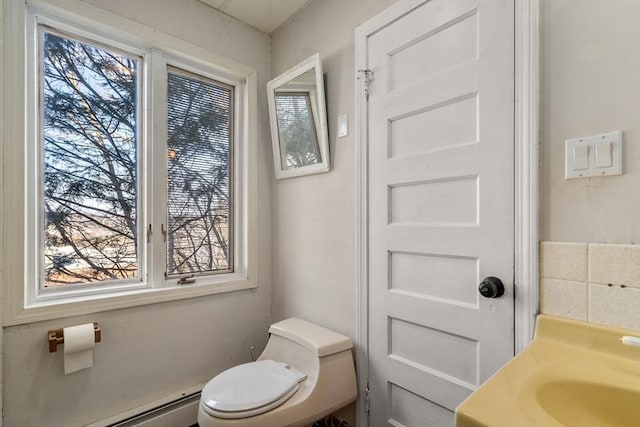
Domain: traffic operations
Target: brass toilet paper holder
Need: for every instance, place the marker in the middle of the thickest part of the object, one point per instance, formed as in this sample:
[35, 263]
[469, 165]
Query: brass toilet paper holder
[56, 337]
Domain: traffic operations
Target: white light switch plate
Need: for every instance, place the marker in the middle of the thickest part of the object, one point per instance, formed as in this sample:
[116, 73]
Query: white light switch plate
[597, 155]
[343, 125]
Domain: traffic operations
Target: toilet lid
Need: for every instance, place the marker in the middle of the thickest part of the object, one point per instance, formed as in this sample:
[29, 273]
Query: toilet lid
[249, 386]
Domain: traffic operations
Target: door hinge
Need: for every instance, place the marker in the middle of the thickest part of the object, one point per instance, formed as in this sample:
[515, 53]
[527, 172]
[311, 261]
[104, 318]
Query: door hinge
[367, 400]
[367, 76]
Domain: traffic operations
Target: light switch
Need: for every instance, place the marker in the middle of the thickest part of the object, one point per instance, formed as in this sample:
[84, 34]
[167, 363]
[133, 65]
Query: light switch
[595, 155]
[603, 155]
[580, 157]
[343, 125]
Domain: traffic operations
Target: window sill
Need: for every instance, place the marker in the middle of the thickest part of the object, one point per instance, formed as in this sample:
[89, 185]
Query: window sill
[105, 302]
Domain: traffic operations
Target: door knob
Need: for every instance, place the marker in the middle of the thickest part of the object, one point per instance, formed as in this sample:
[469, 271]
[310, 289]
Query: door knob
[491, 287]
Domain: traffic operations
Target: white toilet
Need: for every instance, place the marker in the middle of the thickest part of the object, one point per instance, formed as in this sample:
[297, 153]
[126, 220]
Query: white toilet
[305, 373]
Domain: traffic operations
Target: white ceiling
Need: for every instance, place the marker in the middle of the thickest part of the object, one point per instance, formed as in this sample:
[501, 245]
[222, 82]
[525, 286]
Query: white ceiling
[265, 15]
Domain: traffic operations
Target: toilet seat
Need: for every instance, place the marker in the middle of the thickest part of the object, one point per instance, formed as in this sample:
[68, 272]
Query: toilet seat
[250, 389]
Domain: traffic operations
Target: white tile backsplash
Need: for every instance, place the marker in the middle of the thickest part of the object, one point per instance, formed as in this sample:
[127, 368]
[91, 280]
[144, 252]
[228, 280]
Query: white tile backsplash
[614, 306]
[614, 264]
[595, 282]
[564, 298]
[566, 261]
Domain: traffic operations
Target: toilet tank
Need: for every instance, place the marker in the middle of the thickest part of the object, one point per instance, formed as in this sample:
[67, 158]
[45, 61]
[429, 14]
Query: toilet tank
[302, 344]
[320, 341]
[323, 355]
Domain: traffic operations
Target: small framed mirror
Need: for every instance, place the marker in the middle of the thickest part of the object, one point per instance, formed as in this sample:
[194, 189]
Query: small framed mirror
[299, 120]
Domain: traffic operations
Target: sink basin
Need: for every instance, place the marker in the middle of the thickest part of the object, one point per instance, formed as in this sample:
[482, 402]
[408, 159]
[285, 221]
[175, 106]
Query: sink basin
[573, 374]
[577, 403]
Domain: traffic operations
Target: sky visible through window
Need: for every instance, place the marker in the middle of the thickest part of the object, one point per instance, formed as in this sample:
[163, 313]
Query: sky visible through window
[90, 162]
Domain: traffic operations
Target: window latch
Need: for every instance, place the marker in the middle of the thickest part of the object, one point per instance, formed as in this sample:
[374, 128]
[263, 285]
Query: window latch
[164, 232]
[186, 280]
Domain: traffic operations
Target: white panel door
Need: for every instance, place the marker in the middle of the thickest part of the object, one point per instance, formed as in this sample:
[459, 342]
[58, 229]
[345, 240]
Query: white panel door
[441, 206]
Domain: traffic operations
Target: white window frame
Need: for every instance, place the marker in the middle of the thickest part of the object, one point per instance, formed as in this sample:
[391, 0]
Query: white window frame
[34, 214]
[20, 80]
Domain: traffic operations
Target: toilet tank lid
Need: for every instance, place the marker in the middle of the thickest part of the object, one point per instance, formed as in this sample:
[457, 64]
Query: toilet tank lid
[319, 340]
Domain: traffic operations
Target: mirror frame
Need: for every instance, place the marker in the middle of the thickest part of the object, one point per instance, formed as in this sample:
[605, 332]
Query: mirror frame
[321, 126]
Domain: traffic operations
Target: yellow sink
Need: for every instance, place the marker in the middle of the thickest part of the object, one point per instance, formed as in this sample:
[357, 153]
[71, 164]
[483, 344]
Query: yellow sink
[573, 402]
[573, 374]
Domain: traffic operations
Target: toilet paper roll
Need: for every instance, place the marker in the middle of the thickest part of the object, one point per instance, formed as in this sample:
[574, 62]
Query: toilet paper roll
[79, 342]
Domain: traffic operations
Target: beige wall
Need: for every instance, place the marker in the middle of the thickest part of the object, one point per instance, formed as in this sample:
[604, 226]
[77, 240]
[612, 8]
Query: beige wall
[313, 246]
[151, 352]
[590, 85]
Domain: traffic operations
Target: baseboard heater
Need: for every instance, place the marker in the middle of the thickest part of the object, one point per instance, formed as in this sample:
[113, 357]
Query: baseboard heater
[182, 412]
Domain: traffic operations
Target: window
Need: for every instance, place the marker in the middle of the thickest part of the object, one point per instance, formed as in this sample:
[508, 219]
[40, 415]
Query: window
[91, 187]
[90, 135]
[137, 164]
[200, 197]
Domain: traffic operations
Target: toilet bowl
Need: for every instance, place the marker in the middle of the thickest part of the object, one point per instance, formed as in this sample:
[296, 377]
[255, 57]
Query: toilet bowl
[305, 373]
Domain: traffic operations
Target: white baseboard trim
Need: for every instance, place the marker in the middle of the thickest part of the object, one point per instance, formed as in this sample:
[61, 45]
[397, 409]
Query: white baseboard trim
[176, 410]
